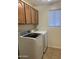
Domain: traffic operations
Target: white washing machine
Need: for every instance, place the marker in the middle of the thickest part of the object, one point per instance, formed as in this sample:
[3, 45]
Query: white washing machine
[44, 37]
[30, 47]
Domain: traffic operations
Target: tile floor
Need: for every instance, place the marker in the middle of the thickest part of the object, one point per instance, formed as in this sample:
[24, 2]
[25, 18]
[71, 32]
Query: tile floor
[52, 53]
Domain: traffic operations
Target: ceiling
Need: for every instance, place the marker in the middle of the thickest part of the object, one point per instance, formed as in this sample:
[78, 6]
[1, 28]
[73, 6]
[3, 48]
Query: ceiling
[43, 2]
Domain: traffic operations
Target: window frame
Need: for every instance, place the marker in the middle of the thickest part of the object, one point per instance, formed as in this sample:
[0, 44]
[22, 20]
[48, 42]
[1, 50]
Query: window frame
[60, 17]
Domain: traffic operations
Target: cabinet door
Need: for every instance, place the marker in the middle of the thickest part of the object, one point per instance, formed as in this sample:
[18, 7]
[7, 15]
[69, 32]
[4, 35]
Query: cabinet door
[36, 16]
[21, 14]
[33, 15]
[28, 14]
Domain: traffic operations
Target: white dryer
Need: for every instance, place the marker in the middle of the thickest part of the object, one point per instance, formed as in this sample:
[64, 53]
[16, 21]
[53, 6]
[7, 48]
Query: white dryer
[44, 37]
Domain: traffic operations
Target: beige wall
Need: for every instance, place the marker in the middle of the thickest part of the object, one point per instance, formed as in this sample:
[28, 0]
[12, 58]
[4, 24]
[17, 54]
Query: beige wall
[22, 28]
[54, 38]
[43, 18]
[28, 1]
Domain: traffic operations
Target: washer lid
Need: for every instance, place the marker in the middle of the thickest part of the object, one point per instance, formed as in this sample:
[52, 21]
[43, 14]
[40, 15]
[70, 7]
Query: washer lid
[33, 35]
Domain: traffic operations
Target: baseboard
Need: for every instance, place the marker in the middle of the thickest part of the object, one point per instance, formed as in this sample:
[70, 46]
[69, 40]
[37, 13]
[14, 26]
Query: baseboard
[55, 47]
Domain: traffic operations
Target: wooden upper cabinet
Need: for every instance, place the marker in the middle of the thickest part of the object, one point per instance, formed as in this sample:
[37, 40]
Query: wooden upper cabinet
[28, 14]
[36, 16]
[21, 13]
[33, 15]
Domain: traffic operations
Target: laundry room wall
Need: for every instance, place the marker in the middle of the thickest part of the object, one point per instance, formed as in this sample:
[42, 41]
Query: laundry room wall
[54, 33]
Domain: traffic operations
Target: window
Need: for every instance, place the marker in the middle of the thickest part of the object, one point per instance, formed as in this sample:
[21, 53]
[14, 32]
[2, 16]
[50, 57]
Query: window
[54, 18]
